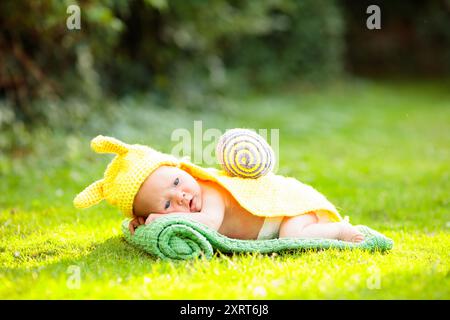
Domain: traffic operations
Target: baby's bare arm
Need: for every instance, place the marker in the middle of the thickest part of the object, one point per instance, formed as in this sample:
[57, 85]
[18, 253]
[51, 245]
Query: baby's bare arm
[211, 214]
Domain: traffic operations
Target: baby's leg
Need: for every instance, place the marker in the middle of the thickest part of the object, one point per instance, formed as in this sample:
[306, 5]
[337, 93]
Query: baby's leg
[308, 226]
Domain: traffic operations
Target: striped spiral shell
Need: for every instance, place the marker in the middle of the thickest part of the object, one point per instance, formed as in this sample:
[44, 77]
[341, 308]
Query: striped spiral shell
[244, 153]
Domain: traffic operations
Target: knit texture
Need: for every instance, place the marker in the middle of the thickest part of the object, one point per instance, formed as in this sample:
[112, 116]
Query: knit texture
[178, 238]
[270, 195]
[124, 175]
[244, 153]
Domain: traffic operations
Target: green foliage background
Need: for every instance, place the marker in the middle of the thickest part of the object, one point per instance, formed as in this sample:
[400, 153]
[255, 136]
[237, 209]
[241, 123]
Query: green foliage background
[181, 49]
[191, 53]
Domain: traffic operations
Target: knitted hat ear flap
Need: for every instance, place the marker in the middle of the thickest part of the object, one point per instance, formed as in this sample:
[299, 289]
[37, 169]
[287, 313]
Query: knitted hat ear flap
[90, 196]
[102, 144]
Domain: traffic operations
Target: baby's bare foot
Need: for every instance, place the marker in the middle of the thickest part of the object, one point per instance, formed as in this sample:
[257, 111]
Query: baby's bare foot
[349, 232]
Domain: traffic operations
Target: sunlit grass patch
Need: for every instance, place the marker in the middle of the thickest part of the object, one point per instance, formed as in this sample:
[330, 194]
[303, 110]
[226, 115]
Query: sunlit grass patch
[379, 152]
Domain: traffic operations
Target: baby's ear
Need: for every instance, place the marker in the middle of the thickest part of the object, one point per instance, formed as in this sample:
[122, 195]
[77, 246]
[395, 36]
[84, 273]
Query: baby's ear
[102, 144]
[90, 196]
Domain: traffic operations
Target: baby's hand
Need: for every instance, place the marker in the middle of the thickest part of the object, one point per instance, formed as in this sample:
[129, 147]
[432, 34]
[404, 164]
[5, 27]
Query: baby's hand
[136, 222]
[152, 216]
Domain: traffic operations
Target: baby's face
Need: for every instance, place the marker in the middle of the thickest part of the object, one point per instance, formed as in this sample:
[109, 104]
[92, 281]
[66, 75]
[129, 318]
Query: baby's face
[168, 189]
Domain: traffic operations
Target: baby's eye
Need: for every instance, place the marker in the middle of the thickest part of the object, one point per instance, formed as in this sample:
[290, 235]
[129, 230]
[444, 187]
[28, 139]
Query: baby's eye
[177, 181]
[167, 205]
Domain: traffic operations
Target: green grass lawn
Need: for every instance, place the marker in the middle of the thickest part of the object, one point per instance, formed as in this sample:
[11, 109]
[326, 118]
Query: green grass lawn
[379, 151]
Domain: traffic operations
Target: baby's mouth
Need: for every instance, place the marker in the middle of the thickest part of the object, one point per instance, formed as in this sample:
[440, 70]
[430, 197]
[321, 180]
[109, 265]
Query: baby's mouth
[193, 205]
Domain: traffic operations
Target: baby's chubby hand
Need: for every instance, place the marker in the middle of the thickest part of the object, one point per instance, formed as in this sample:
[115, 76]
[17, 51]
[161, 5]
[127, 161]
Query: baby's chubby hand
[153, 216]
[136, 222]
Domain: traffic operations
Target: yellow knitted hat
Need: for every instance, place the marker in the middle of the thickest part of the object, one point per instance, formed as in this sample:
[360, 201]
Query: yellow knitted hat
[124, 175]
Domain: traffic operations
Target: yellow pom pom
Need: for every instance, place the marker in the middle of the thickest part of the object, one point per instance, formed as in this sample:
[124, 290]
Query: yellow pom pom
[244, 153]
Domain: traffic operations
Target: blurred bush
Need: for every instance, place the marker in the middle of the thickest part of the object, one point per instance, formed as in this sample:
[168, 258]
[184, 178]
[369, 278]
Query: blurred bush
[183, 52]
[303, 40]
[414, 39]
[192, 53]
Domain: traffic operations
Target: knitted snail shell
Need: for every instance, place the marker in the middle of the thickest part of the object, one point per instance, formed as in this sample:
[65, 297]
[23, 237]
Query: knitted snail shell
[243, 153]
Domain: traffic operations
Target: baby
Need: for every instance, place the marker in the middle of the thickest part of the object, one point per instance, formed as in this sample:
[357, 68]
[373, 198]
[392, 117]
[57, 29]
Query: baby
[170, 190]
[147, 185]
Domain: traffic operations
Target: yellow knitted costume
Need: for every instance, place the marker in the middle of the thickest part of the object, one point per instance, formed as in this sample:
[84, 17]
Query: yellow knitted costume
[269, 196]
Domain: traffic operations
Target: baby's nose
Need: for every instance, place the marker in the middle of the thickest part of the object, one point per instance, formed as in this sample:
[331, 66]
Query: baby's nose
[184, 197]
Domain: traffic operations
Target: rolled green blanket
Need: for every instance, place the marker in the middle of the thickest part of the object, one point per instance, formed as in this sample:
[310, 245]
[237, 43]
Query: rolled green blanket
[178, 238]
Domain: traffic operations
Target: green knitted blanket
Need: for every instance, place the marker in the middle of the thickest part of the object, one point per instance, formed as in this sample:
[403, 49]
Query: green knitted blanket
[183, 239]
